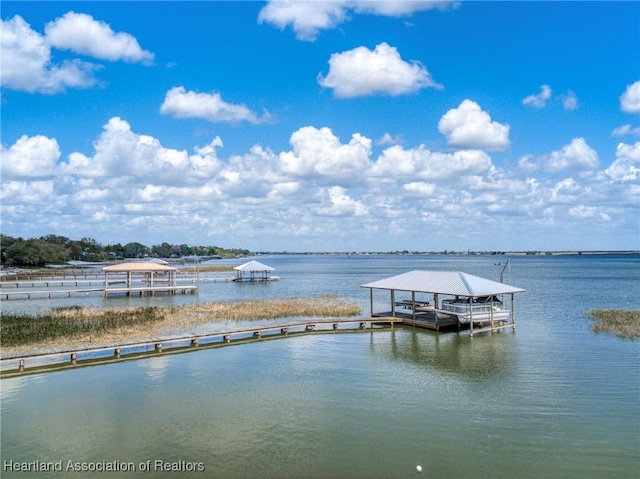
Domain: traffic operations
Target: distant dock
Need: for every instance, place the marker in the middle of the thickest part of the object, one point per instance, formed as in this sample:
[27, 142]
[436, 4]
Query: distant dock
[129, 279]
[126, 291]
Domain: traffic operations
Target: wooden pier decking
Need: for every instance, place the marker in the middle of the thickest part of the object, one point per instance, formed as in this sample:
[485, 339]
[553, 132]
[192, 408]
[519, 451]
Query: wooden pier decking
[135, 290]
[37, 363]
[425, 319]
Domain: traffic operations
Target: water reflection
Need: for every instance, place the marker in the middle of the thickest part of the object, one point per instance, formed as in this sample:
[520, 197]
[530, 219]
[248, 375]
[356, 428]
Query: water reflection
[156, 366]
[455, 353]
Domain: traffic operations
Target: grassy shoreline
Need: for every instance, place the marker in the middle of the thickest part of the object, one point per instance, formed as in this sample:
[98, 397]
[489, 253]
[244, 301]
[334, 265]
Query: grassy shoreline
[76, 326]
[622, 323]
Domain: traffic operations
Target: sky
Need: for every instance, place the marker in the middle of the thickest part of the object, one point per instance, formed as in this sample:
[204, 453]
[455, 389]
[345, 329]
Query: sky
[323, 126]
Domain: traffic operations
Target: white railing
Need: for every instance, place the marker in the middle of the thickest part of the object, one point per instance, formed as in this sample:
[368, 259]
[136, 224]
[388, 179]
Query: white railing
[466, 307]
[480, 311]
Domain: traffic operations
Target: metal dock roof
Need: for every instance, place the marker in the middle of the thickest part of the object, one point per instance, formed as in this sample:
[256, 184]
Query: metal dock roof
[455, 283]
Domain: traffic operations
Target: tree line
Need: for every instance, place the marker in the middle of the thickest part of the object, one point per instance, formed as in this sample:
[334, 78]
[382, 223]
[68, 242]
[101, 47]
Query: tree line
[54, 249]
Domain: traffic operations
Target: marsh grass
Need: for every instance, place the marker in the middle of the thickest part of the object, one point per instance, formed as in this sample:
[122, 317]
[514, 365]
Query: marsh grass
[208, 268]
[19, 329]
[323, 307]
[623, 323]
[77, 323]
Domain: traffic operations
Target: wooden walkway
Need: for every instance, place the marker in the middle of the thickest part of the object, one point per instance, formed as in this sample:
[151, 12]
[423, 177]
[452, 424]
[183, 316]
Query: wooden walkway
[422, 320]
[38, 363]
[136, 290]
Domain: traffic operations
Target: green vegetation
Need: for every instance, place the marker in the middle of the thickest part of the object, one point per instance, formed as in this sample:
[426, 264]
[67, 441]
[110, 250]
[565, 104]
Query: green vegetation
[19, 329]
[625, 324]
[53, 249]
[209, 268]
[92, 325]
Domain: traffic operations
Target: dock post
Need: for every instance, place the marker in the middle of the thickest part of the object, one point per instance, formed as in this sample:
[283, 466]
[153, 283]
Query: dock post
[194, 343]
[21, 365]
[116, 352]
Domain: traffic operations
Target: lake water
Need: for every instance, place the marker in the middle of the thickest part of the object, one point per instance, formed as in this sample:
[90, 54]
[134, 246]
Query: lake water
[550, 399]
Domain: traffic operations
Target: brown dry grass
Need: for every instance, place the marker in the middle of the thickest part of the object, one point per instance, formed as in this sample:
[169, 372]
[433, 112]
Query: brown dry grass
[625, 324]
[208, 268]
[111, 326]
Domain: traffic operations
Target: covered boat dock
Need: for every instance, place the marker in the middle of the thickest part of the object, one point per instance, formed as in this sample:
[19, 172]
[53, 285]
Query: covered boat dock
[447, 299]
[140, 278]
[254, 271]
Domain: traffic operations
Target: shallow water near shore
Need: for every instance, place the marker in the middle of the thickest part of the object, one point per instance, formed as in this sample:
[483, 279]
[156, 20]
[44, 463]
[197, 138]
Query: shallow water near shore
[552, 399]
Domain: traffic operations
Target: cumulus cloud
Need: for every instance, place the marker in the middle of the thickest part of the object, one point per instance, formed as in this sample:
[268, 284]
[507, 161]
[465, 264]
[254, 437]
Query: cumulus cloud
[27, 59]
[319, 152]
[400, 8]
[577, 155]
[27, 66]
[630, 99]
[30, 157]
[35, 192]
[208, 106]
[307, 19]
[388, 139]
[584, 212]
[538, 100]
[570, 101]
[342, 204]
[420, 162]
[420, 188]
[361, 72]
[626, 166]
[82, 34]
[625, 130]
[306, 191]
[468, 126]
[122, 153]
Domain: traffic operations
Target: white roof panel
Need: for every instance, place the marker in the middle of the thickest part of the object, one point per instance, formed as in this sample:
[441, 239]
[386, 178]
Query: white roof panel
[443, 282]
[254, 266]
[137, 267]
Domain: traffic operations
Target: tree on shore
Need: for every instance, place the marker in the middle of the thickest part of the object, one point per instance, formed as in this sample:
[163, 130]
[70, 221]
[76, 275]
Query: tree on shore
[54, 249]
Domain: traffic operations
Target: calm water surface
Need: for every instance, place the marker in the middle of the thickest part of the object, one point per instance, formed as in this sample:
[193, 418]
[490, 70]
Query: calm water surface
[551, 399]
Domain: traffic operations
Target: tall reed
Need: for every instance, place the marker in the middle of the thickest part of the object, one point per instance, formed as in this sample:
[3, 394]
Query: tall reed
[623, 323]
[77, 322]
[207, 268]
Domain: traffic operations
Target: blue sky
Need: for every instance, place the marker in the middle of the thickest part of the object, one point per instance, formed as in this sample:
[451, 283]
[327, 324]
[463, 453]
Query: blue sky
[323, 126]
